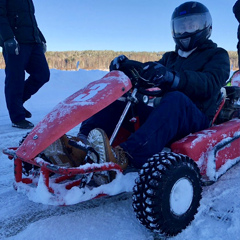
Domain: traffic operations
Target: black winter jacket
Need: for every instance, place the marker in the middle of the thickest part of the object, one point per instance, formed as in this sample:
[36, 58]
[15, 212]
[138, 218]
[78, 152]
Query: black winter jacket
[17, 19]
[202, 74]
[236, 11]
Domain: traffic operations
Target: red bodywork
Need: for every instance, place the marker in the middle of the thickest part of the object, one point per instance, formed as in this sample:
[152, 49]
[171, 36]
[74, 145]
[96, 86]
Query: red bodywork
[66, 115]
[212, 148]
[72, 111]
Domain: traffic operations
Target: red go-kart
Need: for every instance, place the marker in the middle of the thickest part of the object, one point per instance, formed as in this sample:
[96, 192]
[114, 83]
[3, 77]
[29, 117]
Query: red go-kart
[167, 190]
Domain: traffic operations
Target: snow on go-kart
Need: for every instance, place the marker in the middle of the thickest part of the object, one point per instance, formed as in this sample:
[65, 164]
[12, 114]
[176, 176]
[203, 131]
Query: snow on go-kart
[168, 188]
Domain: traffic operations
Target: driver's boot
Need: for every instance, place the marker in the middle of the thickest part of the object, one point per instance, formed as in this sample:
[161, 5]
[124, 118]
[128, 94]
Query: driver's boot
[100, 142]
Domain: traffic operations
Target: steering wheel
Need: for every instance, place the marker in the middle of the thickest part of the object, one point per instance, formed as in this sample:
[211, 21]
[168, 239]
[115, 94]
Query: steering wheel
[133, 70]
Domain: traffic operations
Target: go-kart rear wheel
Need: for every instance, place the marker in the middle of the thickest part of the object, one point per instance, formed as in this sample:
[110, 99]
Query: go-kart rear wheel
[167, 193]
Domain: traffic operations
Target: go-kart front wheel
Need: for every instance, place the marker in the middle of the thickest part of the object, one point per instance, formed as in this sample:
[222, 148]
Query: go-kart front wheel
[167, 193]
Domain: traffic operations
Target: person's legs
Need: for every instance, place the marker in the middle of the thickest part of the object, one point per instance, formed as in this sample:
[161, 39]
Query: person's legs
[14, 82]
[175, 117]
[38, 70]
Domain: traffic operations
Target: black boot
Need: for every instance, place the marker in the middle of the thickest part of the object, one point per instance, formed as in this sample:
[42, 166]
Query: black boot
[24, 124]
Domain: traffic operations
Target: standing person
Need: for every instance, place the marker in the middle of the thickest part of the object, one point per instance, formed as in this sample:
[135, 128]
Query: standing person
[236, 11]
[23, 49]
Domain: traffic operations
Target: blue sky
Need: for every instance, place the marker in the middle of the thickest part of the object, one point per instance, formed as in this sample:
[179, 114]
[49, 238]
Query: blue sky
[124, 25]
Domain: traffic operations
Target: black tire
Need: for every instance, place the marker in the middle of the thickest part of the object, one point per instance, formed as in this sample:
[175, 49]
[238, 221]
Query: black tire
[167, 193]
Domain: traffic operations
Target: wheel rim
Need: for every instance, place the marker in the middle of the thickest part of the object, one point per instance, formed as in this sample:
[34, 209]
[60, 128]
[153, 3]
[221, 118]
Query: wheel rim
[181, 196]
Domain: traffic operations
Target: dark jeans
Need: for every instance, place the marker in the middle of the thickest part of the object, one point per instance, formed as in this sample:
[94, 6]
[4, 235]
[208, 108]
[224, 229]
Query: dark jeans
[175, 117]
[238, 51]
[18, 90]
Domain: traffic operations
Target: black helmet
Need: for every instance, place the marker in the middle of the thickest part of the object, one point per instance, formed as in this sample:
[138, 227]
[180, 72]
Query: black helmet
[191, 25]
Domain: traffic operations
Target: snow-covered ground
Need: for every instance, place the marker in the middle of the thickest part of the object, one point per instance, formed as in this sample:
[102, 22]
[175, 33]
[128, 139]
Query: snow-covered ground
[102, 219]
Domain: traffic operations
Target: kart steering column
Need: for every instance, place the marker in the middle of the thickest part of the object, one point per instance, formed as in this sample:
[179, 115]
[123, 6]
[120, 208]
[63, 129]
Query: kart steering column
[131, 99]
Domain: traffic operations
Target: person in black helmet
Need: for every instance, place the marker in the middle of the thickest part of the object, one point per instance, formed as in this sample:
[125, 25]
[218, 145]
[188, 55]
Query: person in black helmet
[191, 27]
[191, 77]
[236, 11]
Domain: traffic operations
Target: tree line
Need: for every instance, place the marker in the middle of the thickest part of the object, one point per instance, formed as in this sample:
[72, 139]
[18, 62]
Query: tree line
[72, 60]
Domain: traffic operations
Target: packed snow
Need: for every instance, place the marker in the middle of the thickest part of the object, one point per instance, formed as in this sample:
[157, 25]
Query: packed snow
[30, 215]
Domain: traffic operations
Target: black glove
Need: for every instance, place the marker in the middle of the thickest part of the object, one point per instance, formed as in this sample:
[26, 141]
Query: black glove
[160, 76]
[11, 46]
[116, 62]
[132, 69]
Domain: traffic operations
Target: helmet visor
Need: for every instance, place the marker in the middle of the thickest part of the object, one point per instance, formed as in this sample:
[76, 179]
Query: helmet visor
[191, 23]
